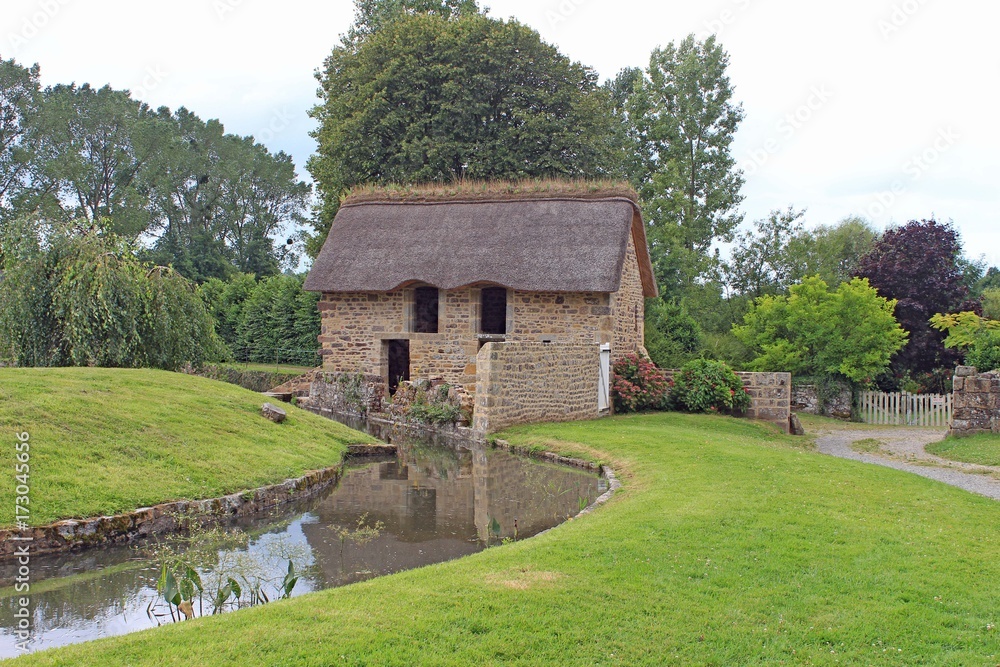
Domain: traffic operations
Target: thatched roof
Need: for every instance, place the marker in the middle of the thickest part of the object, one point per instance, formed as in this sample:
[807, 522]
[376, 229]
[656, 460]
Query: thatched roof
[524, 240]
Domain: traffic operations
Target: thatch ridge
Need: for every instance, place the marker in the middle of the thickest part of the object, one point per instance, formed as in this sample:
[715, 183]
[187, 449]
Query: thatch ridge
[492, 191]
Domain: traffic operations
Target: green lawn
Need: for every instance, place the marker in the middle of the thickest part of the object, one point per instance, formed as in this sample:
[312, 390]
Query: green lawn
[729, 545]
[983, 449]
[109, 441]
[280, 369]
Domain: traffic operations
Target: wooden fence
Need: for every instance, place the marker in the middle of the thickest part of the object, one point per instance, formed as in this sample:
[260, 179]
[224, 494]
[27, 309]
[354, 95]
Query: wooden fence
[904, 409]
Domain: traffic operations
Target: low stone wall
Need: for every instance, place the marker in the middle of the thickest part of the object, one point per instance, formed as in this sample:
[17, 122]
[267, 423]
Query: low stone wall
[259, 381]
[834, 402]
[977, 402]
[167, 517]
[346, 393]
[770, 397]
[524, 383]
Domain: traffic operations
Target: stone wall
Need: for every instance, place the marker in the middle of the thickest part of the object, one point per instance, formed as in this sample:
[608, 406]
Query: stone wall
[977, 402]
[356, 325]
[628, 309]
[770, 396]
[523, 383]
[833, 402]
[346, 393]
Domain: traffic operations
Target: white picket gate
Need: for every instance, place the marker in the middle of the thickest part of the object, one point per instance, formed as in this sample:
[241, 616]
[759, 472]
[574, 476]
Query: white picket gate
[905, 409]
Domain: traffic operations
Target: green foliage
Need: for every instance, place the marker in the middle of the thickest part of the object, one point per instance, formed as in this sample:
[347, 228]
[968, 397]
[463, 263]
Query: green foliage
[672, 336]
[210, 203]
[978, 337]
[848, 332]
[87, 301]
[435, 409]
[990, 300]
[638, 385]
[432, 98]
[278, 321]
[709, 386]
[684, 122]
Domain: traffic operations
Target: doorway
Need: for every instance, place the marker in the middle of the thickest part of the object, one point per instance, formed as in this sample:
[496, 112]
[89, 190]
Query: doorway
[397, 353]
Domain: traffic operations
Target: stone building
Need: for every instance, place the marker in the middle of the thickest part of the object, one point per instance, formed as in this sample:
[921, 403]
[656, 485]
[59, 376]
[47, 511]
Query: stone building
[417, 286]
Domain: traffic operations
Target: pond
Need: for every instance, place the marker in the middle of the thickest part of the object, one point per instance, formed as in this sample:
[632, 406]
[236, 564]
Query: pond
[433, 502]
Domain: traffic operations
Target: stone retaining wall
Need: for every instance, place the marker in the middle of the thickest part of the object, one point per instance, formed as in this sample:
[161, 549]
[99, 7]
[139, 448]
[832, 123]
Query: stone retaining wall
[835, 401]
[524, 383]
[165, 518]
[977, 402]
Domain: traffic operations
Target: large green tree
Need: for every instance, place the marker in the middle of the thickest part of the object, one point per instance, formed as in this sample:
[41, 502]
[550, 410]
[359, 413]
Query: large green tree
[685, 120]
[20, 97]
[428, 98]
[848, 333]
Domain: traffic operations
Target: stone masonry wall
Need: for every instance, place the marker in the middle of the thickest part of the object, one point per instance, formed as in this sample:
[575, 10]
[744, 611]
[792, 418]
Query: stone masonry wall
[628, 309]
[770, 396]
[836, 403]
[523, 383]
[977, 402]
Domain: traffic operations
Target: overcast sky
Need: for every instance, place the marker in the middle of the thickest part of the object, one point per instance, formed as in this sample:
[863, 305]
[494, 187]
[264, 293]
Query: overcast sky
[880, 108]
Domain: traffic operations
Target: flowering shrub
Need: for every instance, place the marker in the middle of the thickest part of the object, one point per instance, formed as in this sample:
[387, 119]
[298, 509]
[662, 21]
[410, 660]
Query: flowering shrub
[637, 384]
[709, 386]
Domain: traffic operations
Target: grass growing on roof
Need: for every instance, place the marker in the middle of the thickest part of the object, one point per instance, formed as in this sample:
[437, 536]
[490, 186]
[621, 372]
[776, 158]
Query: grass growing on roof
[105, 441]
[473, 190]
[983, 449]
[729, 545]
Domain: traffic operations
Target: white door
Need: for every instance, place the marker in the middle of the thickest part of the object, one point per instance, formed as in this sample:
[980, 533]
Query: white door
[604, 386]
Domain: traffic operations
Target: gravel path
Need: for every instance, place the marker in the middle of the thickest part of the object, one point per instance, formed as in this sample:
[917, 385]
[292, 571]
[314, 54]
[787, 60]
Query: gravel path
[903, 449]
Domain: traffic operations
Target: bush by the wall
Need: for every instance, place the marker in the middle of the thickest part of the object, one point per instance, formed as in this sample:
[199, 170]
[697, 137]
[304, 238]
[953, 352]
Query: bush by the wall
[638, 385]
[709, 386]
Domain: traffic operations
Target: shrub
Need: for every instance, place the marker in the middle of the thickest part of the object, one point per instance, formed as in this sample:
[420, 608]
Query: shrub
[637, 385]
[709, 386]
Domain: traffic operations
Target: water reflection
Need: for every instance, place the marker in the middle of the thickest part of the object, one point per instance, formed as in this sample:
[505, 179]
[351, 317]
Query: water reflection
[433, 503]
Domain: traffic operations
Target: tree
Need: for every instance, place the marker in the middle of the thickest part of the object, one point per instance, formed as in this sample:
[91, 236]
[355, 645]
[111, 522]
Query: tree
[780, 252]
[431, 99]
[672, 337]
[848, 333]
[685, 121]
[761, 261]
[372, 15]
[20, 96]
[85, 300]
[977, 337]
[278, 322]
[830, 251]
[918, 266]
[98, 147]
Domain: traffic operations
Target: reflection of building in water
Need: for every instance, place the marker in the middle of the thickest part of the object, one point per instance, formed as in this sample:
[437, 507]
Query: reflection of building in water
[439, 505]
[534, 496]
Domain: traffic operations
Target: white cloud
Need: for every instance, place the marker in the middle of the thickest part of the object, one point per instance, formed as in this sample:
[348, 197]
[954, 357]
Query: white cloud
[893, 90]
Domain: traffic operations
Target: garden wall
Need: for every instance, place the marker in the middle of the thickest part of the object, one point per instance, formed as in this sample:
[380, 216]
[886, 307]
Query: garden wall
[524, 383]
[770, 396]
[832, 401]
[977, 402]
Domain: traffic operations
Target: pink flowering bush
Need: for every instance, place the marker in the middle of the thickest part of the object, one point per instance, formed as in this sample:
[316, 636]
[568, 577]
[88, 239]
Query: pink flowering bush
[637, 385]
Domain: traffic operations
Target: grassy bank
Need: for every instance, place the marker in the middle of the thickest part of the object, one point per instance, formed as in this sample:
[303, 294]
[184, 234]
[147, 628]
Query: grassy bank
[983, 449]
[109, 441]
[729, 545]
